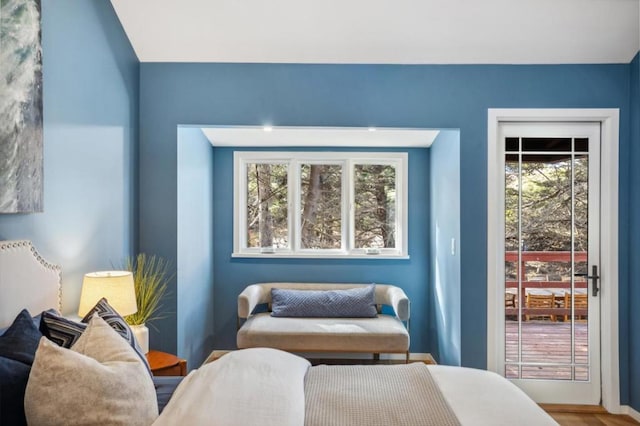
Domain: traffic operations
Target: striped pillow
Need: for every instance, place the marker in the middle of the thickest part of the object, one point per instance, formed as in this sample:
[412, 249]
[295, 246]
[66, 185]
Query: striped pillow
[65, 332]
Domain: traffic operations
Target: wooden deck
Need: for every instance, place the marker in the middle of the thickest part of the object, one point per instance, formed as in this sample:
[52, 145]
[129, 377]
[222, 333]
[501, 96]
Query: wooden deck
[548, 342]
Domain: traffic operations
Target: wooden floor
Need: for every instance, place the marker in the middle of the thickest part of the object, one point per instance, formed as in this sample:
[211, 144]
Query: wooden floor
[586, 416]
[547, 341]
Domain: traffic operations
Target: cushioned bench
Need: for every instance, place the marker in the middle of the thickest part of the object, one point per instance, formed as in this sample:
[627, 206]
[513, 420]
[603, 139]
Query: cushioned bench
[381, 334]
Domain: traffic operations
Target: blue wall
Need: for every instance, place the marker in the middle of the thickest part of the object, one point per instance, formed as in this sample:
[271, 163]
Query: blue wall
[432, 96]
[634, 238]
[195, 292]
[90, 141]
[444, 184]
[233, 275]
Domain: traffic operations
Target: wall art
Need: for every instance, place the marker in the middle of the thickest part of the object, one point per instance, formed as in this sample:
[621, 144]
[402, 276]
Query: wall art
[21, 150]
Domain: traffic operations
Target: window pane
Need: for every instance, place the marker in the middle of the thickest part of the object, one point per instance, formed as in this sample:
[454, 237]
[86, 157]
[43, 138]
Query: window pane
[513, 296]
[581, 144]
[546, 144]
[267, 205]
[546, 203]
[579, 300]
[512, 144]
[321, 204]
[546, 229]
[375, 206]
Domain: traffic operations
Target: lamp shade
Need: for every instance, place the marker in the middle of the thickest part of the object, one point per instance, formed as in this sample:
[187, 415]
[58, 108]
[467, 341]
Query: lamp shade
[115, 286]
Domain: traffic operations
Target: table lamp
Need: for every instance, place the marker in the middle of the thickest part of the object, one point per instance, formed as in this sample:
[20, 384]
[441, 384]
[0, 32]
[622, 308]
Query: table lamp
[116, 286]
[119, 290]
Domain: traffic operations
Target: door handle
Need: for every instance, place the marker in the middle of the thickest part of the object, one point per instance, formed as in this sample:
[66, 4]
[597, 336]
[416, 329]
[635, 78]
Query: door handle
[594, 277]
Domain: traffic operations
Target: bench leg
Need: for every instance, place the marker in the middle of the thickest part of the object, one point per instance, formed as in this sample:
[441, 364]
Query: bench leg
[406, 361]
[376, 357]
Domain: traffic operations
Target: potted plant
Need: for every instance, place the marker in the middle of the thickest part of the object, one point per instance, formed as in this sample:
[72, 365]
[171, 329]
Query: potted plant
[151, 277]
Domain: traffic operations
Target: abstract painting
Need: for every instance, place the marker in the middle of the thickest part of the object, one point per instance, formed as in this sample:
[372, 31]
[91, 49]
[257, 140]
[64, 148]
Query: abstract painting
[21, 154]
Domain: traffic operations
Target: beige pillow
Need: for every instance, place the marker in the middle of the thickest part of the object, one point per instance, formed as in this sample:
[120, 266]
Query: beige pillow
[99, 381]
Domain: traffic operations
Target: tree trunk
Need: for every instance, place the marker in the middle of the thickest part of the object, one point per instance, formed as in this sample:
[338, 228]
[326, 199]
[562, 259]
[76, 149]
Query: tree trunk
[265, 220]
[382, 213]
[311, 206]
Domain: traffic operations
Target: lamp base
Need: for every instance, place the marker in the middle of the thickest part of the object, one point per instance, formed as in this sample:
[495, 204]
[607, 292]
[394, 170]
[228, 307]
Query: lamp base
[142, 336]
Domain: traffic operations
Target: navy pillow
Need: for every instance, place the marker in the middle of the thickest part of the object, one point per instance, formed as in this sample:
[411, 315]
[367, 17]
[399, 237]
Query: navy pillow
[36, 320]
[21, 339]
[165, 387]
[14, 376]
[356, 302]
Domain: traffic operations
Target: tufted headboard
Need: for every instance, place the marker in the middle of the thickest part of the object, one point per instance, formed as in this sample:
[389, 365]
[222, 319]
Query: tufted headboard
[26, 281]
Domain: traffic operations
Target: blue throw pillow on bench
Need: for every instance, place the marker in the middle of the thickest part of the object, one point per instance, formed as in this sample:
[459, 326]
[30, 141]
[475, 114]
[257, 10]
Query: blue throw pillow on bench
[356, 302]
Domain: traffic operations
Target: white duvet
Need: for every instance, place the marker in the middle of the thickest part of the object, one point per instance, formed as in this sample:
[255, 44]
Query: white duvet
[266, 387]
[483, 398]
[251, 386]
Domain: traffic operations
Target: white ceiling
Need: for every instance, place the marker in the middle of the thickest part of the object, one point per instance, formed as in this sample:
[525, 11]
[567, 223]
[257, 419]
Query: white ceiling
[383, 31]
[252, 136]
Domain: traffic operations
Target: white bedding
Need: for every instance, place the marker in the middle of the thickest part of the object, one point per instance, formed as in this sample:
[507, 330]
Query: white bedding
[266, 387]
[251, 386]
[482, 398]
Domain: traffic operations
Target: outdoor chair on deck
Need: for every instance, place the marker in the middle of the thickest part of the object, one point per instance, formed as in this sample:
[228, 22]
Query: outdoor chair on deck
[540, 301]
[510, 303]
[580, 301]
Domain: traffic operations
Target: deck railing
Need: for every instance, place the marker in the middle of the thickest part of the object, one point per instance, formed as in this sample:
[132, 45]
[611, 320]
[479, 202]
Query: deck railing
[557, 288]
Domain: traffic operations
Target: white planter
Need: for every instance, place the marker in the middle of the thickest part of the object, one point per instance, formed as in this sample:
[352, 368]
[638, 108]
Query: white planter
[142, 336]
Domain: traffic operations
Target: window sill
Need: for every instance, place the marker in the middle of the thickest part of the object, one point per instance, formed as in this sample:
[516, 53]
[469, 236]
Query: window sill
[319, 256]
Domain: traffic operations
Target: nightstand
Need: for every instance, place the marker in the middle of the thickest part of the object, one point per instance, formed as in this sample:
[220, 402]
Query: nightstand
[164, 364]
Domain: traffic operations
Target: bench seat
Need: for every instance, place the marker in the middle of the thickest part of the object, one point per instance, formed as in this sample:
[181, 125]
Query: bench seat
[382, 334]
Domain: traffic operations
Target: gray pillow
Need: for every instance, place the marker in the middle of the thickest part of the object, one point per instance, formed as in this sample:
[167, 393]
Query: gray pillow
[100, 380]
[356, 302]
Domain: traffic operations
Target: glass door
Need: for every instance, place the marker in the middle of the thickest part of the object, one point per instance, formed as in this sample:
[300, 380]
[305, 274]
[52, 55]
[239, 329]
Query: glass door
[551, 254]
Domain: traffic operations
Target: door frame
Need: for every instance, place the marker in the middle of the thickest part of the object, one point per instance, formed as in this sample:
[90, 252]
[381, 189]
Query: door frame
[609, 122]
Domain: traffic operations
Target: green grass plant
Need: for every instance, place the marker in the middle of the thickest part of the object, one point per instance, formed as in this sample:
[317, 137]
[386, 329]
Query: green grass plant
[151, 277]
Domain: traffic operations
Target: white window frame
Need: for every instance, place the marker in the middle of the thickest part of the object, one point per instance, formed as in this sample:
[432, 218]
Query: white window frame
[294, 159]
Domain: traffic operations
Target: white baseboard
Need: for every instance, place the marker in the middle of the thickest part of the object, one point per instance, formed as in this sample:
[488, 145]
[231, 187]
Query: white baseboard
[337, 355]
[635, 415]
[413, 356]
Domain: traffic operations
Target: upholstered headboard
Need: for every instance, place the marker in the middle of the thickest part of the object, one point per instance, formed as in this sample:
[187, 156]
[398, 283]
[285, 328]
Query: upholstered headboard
[26, 281]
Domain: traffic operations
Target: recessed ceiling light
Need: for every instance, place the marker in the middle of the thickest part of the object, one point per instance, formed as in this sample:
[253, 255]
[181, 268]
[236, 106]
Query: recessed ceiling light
[372, 129]
[267, 128]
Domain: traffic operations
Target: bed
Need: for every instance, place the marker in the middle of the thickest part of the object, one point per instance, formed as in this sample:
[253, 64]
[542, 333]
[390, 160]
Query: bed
[272, 387]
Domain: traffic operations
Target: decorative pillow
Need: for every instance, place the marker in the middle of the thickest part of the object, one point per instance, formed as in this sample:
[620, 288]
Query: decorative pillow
[165, 387]
[66, 333]
[36, 320]
[18, 346]
[20, 341]
[13, 381]
[113, 318]
[356, 302]
[100, 380]
[60, 330]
